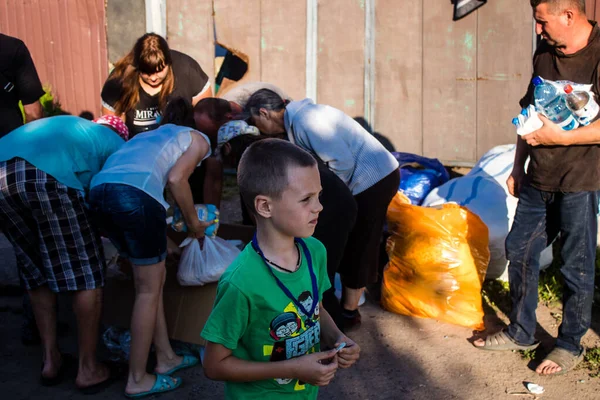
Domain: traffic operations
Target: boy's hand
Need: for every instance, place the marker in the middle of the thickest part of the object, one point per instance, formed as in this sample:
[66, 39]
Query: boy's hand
[311, 368]
[349, 354]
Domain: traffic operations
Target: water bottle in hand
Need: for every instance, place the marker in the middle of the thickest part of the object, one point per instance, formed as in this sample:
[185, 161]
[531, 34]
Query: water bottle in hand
[582, 105]
[550, 101]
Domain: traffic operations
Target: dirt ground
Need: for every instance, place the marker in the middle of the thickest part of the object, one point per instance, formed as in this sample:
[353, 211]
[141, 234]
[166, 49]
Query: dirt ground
[402, 358]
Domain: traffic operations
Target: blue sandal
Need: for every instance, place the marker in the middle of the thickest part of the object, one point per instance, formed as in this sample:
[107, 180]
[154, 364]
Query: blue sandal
[187, 362]
[164, 383]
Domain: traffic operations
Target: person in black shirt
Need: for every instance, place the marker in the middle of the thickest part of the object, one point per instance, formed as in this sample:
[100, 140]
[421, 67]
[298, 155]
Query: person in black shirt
[19, 81]
[144, 81]
[558, 194]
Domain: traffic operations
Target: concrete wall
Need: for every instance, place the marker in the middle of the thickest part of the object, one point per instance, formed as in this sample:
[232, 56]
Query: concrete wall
[126, 21]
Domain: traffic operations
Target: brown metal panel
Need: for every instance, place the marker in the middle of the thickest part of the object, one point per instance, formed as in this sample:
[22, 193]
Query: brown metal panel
[67, 41]
[399, 78]
[341, 54]
[449, 84]
[190, 30]
[283, 45]
[503, 69]
[238, 26]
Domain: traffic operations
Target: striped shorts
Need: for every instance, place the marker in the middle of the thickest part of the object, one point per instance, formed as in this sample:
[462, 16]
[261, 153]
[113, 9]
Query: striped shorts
[50, 229]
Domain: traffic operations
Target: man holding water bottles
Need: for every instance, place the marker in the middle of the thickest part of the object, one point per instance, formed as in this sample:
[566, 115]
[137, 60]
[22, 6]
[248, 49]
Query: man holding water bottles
[558, 194]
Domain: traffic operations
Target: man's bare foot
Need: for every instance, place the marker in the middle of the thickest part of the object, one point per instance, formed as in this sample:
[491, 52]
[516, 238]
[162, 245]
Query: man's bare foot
[89, 376]
[143, 385]
[164, 364]
[479, 343]
[548, 367]
[52, 365]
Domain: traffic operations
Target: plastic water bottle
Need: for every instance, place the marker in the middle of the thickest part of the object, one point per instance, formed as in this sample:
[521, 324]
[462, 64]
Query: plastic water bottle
[205, 212]
[550, 101]
[582, 105]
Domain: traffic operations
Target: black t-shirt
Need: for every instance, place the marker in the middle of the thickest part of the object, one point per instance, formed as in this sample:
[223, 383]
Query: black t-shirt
[566, 168]
[16, 67]
[190, 80]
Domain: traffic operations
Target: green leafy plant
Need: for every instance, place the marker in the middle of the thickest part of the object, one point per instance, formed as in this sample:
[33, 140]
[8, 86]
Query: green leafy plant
[591, 361]
[50, 104]
[527, 354]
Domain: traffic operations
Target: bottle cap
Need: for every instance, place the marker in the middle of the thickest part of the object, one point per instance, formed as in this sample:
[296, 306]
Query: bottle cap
[537, 81]
[568, 88]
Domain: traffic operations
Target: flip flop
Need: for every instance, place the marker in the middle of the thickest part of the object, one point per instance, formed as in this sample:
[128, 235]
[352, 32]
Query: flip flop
[564, 359]
[67, 361]
[187, 362]
[163, 384]
[501, 341]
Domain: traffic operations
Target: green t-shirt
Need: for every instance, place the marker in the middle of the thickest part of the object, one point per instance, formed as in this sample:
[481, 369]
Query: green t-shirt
[254, 318]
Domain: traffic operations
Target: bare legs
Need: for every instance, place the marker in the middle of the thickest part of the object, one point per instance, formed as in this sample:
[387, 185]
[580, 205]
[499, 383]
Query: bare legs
[146, 324]
[87, 305]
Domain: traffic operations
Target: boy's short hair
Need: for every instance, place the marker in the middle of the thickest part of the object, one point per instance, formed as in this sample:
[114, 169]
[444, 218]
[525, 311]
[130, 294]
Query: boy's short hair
[263, 168]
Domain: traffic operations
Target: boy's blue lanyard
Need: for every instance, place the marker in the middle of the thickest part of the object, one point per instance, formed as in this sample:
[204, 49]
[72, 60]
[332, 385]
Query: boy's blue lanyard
[285, 290]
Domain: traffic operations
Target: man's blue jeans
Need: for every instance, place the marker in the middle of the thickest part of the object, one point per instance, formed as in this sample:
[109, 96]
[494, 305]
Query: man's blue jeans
[539, 218]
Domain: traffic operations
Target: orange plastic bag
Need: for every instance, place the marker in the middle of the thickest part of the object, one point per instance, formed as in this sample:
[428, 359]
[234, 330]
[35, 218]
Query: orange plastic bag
[438, 260]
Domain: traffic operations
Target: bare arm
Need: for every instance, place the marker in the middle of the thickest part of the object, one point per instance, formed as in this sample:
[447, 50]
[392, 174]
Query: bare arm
[202, 95]
[586, 135]
[552, 135]
[220, 364]
[331, 336]
[521, 154]
[213, 181]
[180, 187]
[33, 111]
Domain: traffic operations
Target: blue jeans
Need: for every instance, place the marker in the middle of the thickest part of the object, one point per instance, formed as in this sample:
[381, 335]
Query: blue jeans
[133, 221]
[539, 218]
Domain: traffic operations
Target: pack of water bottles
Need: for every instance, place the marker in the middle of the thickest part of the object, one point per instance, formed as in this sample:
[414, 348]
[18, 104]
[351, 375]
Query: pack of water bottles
[567, 104]
[205, 212]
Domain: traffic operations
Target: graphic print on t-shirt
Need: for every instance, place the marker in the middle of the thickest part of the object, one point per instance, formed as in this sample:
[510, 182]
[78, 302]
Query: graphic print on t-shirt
[146, 118]
[294, 333]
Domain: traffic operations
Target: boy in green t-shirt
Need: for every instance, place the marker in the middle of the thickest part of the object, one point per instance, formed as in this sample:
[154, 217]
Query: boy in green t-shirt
[265, 330]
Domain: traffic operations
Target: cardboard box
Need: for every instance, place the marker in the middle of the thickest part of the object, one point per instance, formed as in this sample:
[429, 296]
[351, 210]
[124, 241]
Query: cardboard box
[186, 307]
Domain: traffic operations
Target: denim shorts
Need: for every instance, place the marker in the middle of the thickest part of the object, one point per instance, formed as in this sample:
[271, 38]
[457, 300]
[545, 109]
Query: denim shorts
[133, 220]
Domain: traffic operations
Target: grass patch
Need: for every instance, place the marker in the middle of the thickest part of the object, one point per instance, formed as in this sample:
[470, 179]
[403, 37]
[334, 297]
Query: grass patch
[591, 361]
[527, 354]
[230, 188]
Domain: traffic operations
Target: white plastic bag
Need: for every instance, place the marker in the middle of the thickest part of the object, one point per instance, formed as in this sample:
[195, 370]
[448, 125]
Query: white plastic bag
[484, 192]
[200, 266]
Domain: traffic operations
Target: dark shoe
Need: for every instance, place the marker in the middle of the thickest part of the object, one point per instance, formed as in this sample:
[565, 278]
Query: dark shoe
[116, 371]
[67, 363]
[352, 320]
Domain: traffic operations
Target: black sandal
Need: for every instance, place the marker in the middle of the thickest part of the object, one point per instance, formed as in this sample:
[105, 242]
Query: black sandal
[67, 361]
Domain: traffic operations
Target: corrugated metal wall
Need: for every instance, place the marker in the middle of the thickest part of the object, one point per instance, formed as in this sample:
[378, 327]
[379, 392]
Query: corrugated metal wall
[67, 40]
[592, 7]
[442, 88]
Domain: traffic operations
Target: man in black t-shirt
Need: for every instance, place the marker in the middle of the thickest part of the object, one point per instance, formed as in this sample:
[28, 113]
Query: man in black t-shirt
[191, 83]
[19, 81]
[557, 195]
